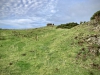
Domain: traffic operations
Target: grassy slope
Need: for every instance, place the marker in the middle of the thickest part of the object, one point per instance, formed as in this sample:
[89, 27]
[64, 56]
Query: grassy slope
[44, 51]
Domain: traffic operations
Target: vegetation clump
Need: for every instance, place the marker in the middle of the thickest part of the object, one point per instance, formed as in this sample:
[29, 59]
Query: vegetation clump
[67, 25]
[96, 16]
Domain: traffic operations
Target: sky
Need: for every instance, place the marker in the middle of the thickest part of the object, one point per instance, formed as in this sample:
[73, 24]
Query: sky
[23, 14]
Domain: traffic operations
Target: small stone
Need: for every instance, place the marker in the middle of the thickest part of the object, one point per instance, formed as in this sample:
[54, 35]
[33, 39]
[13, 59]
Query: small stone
[89, 39]
[98, 42]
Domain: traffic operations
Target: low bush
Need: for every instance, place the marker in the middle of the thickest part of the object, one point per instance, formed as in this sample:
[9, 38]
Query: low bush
[67, 25]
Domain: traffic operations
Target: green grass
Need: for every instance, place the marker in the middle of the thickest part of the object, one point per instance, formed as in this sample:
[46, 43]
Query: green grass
[45, 51]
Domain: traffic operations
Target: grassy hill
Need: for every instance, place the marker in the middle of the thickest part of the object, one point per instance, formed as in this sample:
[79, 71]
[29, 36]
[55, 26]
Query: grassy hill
[50, 51]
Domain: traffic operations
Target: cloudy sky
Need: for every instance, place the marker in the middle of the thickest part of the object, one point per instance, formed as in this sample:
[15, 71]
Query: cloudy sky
[19, 14]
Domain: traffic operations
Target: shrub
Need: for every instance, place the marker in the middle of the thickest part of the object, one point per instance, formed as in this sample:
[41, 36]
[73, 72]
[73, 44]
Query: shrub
[67, 25]
[96, 16]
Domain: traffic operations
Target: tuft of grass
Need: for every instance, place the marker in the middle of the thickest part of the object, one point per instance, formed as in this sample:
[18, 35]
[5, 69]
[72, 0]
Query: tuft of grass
[20, 45]
[23, 65]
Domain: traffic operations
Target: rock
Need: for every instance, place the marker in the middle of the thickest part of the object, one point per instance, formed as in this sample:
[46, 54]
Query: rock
[88, 40]
[99, 50]
[98, 41]
[93, 39]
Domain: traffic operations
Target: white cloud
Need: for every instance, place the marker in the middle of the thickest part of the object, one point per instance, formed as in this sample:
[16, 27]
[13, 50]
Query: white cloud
[16, 21]
[26, 13]
[23, 7]
[32, 22]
